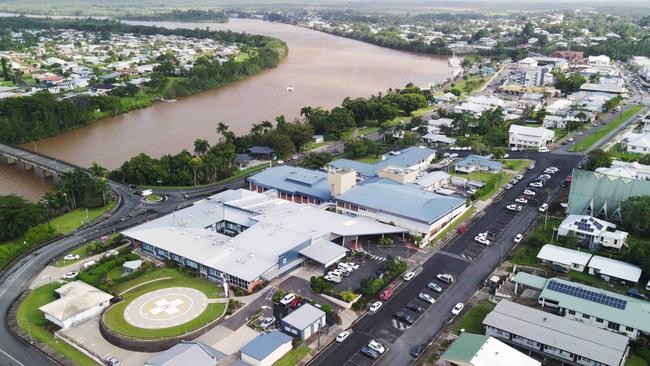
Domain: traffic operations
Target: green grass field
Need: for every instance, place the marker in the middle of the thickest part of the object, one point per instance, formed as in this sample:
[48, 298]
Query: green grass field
[636, 360]
[515, 165]
[472, 321]
[115, 315]
[32, 321]
[81, 251]
[602, 131]
[292, 357]
[457, 221]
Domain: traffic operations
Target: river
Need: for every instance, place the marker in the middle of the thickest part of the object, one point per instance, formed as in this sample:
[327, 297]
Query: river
[322, 68]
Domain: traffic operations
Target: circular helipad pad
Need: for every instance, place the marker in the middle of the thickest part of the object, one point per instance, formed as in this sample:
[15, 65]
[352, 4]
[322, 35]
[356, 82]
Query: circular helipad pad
[166, 308]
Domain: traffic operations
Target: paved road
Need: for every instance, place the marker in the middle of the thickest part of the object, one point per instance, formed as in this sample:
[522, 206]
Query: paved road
[452, 259]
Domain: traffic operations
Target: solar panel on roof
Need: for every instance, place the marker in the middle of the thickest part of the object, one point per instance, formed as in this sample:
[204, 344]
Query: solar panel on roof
[585, 294]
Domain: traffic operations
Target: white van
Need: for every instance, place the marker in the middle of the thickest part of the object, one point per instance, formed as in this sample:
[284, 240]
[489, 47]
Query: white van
[88, 264]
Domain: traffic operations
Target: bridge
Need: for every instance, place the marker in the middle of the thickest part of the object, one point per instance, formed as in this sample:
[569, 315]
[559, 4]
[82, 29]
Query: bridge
[31, 161]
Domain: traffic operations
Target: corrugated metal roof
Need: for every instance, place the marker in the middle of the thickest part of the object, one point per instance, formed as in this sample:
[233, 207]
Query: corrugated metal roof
[477, 160]
[304, 316]
[615, 268]
[406, 158]
[186, 353]
[563, 255]
[294, 180]
[264, 344]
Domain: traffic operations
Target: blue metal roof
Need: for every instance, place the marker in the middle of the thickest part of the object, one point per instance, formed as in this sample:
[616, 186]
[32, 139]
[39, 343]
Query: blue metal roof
[405, 200]
[294, 180]
[477, 160]
[406, 158]
[264, 344]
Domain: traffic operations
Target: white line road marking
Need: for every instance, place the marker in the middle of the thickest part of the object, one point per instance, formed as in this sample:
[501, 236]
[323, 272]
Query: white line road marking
[2, 292]
[15, 360]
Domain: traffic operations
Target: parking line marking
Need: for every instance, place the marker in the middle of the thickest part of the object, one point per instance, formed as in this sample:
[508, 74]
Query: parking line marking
[15, 360]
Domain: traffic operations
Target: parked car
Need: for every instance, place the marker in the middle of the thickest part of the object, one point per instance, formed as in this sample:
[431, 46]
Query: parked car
[458, 308]
[543, 207]
[111, 361]
[636, 293]
[507, 186]
[514, 207]
[559, 269]
[71, 257]
[369, 352]
[386, 294]
[287, 299]
[529, 192]
[333, 278]
[267, 322]
[404, 317]
[519, 177]
[434, 287]
[536, 184]
[445, 277]
[70, 275]
[343, 336]
[408, 276]
[294, 304]
[543, 149]
[426, 297]
[414, 307]
[375, 306]
[417, 350]
[518, 238]
[376, 346]
[352, 265]
[482, 240]
[522, 200]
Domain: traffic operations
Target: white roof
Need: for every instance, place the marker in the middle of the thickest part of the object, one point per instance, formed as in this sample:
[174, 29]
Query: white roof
[626, 170]
[637, 139]
[496, 353]
[566, 256]
[615, 268]
[432, 178]
[76, 297]
[531, 131]
[304, 316]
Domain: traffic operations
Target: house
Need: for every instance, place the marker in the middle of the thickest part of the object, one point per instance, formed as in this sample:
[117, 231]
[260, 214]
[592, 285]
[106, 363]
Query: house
[437, 139]
[304, 322]
[638, 143]
[565, 257]
[477, 163]
[601, 60]
[77, 302]
[598, 308]
[526, 137]
[615, 270]
[551, 121]
[593, 232]
[194, 353]
[132, 266]
[318, 139]
[266, 348]
[631, 170]
[262, 152]
[479, 350]
[445, 98]
[433, 180]
[293, 183]
[243, 160]
[555, 338]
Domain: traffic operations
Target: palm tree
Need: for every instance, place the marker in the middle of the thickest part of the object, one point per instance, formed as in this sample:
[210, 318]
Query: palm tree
[256, 129]
[266, 126]
[196, 162]
[222, 128]
[201, 146]
[98, 171]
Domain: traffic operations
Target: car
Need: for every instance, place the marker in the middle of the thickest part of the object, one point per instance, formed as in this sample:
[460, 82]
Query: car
[344, 267]
[287, 299]
[426, 297]
[445, 277]
[434, 287]
[571, 139]
[518, 238]
[343, 336]
[458, 308]
[414, 307]
[552, 169]
[545, 176]
[564, 142]
[376, 346]
[514, 207]
[636, 293]
[529, 192]
[333, 279]
[472, 191]
[519, 177]
[445, 155]
[505, 156]
[543, 207]
[340, 272]
[71, 257]
[417, 350]
[386, 294]
[111, 361]
[514, 181]
[408, 276]
[481, 240]
[295, 303]
[543, 149]
[536, 184]
[70, 275]
[531, 166]
[352, 265]
[375, 306]
[404, 317]
[514, 149]
[507, 186]
[521, 200]
[559, 269]
[267, 322]
[369, 352]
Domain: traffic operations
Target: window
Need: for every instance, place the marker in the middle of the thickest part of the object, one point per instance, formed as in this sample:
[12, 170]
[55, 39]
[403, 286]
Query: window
[629, 329]
[599, 320]
[571, 312]
[614, 326]
[586, 316]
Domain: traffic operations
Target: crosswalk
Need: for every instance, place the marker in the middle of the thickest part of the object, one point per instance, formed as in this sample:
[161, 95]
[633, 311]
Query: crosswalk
[376, 257]
[399, 325]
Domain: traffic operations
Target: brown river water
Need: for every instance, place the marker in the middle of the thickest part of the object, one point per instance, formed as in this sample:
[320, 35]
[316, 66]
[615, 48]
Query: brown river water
[323, 69]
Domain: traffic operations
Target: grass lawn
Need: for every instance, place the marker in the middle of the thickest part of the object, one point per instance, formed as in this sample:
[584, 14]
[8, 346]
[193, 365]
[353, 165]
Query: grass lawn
[81, 251]
[116, 272]
[292, 357]
[491, 180]
[457, 221]
[115, 314]
[473, 318]
[620, 119]
[32, 320]
[526, 252]
[153, 198]
[515, 165]
[75, 218]
[636, 360]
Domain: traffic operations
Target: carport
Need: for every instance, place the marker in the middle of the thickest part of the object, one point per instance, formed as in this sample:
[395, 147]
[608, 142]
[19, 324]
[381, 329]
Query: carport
[324, 252]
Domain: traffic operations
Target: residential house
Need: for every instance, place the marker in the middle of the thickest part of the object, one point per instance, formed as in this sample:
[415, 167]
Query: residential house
[77, 302]
[565, 257]
[526, 137]
[479, 350]
[266, 349]
[592, 232]
[476, 163]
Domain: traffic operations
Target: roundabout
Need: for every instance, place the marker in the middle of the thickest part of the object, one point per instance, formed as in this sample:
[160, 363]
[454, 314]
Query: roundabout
[165, 308]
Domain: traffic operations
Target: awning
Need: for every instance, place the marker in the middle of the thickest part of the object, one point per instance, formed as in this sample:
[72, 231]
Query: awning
[324, 252]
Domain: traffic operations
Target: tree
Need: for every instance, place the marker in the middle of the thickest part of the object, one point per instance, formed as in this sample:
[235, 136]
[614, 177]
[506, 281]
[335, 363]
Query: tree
[635, 214]
[5, 69]
[201, 146]
[316, 160]
[596, 159]
[98, 171]
[17, 215]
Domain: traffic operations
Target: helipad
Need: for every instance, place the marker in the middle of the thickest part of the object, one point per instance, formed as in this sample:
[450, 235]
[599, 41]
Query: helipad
[166, 308]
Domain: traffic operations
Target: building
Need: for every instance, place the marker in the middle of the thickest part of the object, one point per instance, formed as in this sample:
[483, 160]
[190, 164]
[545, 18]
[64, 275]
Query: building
[476, 163]
[186, 353]
[614, 270]
[571, 56]
[266, 348]
[638, 143]
[589, 305]
[551, 121]
[434, 180]
[601, 60]
[632, 170]
[479, 350]
[304, 322]
[603, 88]
[423, 213]
[247, 238]
[438, 139]
[592, 232]
[77, 302]
[262, 152]
[132, 266]
[555, 338]
[598, 194]
[293, 183]
[526, 137]
[565, 257]
[413, 158]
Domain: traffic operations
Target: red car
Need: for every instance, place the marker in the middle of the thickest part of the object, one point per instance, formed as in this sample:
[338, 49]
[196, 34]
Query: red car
[294, 304]
[386, 294]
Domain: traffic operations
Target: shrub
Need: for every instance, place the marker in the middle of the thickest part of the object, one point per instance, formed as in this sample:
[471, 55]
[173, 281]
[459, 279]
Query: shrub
[296, 342]
[385, 241]
[40, 233]
[347, 296]
[320, 285]
[278, 295]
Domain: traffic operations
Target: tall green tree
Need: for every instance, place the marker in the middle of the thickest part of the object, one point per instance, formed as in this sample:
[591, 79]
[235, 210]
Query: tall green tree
[17, 215]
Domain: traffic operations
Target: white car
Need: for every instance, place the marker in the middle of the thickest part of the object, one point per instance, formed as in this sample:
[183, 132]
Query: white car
[529, 192]
[445, 277]
[507, 186]
[288, 298]
[514, 207]
[426, 297]
[408, 276]
[458, 308]
[543, 207]
[536, 184]
[71, 257]
[352, 265]
[543, 149]
[267, 322]
[344, 267]
[332, 278]
[375, 306]
[521, 200]
[434, 287]
[482, 240]
[518, 238]
[343, 336]
[376, 346]
[472, 191]
[505, 156]
[519, 177]
[70, 275]
[514, 149]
